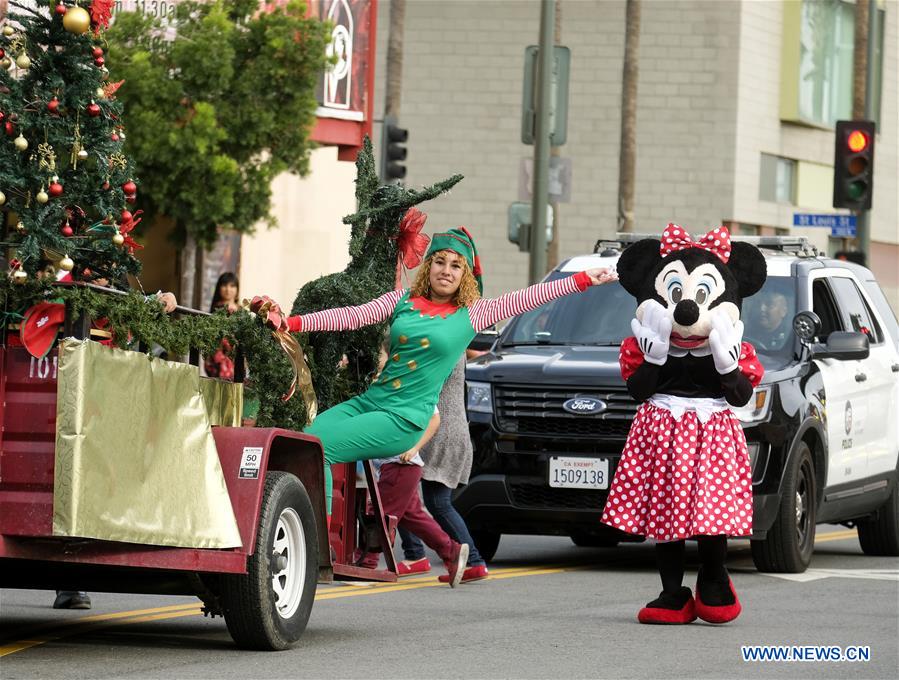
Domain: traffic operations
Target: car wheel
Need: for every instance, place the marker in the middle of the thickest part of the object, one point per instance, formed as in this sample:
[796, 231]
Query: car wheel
[268, 607]
[486, 542]
[593, 541]
[790, 541]
[880, 534]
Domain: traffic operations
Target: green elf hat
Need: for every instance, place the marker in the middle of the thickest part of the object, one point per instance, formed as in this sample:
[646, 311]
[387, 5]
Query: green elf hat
[460, 241]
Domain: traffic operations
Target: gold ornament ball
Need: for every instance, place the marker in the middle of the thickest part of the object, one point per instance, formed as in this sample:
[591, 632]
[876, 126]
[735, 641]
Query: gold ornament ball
[5, 63]
[118, 239]
[82, 154]
[76, 20]
[66, 264]
[19, 276]
[20, 227]
[2, 198]
[8, 31]
[101, 93]
[22, 61]
[21, 143]
[42, 196]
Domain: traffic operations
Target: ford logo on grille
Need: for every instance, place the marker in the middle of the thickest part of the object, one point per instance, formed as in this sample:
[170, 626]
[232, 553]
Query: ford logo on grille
[584, 406]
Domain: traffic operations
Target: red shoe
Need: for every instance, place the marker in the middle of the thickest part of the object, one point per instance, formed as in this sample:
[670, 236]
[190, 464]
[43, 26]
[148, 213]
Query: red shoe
[455, 565]
[422, 566]
[686, 614]
[719, 613]
[475, 573]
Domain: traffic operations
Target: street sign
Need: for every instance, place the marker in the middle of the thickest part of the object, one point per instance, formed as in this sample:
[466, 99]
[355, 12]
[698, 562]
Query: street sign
[559, 179]
[847, 231]
[519, 226]
[558, 114]
[825, 220]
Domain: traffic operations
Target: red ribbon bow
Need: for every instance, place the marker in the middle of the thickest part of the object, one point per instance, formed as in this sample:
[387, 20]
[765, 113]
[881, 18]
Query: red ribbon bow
[411, 243]
[717, 241]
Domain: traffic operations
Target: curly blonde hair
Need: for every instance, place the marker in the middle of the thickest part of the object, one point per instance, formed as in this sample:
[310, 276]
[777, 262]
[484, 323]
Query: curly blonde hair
[467, 292]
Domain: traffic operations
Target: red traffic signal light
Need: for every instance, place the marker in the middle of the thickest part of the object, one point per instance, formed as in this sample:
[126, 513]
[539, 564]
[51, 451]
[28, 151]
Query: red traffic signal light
[857, 141]
[853, 165]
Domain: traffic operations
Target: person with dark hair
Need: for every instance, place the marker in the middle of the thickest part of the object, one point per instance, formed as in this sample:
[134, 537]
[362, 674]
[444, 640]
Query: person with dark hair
[227, 289]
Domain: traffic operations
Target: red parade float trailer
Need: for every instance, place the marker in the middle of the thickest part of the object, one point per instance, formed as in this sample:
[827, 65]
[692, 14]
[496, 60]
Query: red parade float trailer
[53, 507]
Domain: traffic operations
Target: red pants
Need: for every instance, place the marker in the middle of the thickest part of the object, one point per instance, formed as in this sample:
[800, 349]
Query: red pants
[398, 486]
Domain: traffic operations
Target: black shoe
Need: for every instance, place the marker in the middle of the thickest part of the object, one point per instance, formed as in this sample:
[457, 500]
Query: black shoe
[72, 599]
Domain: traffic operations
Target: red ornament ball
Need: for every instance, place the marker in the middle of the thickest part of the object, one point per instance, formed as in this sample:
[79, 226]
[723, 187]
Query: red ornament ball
[97, 52]
[2, 116]
[2, 53]
[93, 110]
[66, 230]
[105, 186]
[53, 105]
[99, 61]
[61, 9]
[55, 189]
[129, 187]
[114, 137]
[126, 216]
[131, 199]
[10, 128]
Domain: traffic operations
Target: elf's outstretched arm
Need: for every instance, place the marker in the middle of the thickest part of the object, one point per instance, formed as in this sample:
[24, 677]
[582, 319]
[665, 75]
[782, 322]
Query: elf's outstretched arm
[337, 319]
[486, 312]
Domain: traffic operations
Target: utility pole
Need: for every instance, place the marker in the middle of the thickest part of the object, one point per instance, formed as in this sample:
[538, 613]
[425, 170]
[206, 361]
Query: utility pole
[552, 251]
[627, 160]
[542, 142]
[863, 233]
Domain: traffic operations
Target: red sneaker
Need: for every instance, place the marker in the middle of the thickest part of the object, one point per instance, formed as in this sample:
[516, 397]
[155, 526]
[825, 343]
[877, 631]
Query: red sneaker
[475, 573]
[455, 565]
[422, 566]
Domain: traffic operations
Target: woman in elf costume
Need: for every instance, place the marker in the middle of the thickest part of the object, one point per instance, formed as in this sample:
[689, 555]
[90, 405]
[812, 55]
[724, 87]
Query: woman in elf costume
[431, 324]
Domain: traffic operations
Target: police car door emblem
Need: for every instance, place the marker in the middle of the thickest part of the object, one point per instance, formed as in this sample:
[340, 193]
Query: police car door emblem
[584, 406]
[848, 417]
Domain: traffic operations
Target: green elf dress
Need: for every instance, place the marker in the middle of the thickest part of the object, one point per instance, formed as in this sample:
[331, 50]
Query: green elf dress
[426, 341]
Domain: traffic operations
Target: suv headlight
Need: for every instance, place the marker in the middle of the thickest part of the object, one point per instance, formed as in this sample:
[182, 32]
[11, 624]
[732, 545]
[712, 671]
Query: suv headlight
[757, 408]
[479, 398]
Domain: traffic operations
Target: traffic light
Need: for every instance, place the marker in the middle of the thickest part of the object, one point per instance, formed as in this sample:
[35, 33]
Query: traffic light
[393, 151]
[853, 165]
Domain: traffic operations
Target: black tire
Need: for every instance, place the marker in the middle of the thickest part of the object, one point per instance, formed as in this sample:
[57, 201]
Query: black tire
[250, 601]
[790, 542]
[593, 541]
[486, 542]
[879, 536]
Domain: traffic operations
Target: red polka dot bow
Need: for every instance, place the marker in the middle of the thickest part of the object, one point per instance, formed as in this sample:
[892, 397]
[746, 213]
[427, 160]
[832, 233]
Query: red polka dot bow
[717, 241]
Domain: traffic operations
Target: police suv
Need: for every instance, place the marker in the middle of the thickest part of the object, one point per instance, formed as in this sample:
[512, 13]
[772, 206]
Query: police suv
[821, 427]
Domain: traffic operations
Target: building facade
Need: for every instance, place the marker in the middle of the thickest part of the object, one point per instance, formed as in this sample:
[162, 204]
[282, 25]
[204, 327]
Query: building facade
[735, 113]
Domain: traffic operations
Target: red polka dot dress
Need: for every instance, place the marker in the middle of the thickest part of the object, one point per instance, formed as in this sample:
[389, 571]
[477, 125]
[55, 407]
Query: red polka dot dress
[685, 468]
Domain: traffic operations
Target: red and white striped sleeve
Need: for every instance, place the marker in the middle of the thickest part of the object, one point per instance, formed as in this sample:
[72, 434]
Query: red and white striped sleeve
[485, 313]
[347, 318]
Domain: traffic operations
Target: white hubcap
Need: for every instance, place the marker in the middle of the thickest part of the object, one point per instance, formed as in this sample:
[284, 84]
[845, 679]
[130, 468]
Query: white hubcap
[288, 572]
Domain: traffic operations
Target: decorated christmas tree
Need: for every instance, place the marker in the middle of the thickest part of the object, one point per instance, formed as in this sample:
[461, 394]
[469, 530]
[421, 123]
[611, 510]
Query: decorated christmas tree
[67, 189]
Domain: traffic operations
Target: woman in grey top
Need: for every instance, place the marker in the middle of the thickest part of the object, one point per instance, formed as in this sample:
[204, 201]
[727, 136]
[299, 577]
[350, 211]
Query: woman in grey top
[447, 460]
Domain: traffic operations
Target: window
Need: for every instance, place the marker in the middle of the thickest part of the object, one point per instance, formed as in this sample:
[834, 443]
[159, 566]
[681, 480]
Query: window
[824, 306]
[825, 60]
[777, 180]
[817, 56]
[855, 311]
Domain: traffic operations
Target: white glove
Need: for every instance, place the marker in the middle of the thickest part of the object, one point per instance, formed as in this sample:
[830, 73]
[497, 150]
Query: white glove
[654, 333]
[724, 341]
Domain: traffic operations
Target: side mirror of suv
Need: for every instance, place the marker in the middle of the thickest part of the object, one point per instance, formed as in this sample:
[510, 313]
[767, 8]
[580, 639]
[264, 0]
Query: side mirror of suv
[843, 345]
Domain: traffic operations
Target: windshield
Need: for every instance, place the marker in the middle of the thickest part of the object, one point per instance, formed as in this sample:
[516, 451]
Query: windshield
[602, 316]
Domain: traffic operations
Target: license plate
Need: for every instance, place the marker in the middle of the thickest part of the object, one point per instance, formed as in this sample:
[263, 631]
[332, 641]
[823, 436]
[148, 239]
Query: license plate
[578, 473]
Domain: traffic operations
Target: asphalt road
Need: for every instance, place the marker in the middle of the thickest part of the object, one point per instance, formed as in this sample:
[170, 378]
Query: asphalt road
[549, 610]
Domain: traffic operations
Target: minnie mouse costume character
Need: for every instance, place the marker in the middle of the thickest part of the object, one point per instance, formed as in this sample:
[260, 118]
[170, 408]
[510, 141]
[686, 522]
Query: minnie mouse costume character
[685, 469]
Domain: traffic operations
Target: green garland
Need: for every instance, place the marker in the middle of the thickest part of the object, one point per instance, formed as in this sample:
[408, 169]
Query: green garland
[134, 319]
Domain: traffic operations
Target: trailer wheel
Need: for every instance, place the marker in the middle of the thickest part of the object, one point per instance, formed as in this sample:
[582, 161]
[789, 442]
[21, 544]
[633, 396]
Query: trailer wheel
[268, 607]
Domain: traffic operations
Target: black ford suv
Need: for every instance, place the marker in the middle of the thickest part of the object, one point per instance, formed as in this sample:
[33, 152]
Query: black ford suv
[549, 411]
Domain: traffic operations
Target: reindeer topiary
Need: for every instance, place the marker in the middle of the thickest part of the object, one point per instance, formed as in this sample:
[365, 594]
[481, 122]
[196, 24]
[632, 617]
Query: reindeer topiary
[374, 246]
